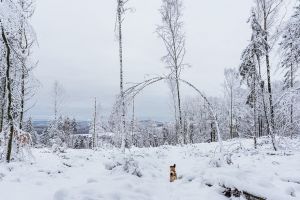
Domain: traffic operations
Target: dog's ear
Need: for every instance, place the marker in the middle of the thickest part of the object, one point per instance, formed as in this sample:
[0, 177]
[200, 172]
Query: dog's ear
[174, 165]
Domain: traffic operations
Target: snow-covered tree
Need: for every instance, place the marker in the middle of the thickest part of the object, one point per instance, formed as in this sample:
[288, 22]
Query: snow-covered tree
[74, 126]
[290, 62]
[29, 128]
[121, 11]
[267, 13]
[96, 129]
[67, 131]
[232, 88]
[17, 38]
[250, 70]
[172, 33]
[27, 40]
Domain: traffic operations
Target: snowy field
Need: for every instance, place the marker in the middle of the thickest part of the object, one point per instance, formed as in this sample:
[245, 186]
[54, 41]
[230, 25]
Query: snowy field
[97, 175]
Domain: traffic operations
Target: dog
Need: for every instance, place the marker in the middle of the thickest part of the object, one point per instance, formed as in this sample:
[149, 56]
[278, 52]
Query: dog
[173, 174]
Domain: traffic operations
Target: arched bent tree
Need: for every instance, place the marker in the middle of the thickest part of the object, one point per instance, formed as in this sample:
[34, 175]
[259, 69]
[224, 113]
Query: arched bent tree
[134, 90]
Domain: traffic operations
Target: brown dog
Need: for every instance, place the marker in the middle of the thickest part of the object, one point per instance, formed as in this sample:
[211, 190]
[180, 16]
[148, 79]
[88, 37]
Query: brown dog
[173, 175]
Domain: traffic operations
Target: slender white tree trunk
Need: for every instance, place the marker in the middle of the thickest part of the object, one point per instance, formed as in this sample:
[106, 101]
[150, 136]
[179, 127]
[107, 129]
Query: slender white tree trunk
[94, 125]
[123, 123]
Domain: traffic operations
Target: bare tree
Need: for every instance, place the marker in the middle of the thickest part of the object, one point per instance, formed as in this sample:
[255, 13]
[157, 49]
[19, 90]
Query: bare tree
[231, 83]
[171, 32]
[58, 94]
[17, 37]
[121, 11]
[27, 39]
[94, 136]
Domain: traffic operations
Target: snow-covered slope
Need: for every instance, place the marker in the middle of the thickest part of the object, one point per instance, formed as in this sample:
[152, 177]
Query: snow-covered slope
[144, 173]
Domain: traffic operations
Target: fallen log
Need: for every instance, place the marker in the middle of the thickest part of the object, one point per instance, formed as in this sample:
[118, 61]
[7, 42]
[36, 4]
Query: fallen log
[234, 192]
[229, 192]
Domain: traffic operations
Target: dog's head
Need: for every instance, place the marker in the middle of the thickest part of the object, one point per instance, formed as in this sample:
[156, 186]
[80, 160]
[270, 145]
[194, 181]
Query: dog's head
[173, 168]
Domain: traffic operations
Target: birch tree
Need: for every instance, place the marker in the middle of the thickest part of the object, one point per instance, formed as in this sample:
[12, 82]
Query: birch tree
[94, 133]
[172, 34]
[57, 95]
[121, 11]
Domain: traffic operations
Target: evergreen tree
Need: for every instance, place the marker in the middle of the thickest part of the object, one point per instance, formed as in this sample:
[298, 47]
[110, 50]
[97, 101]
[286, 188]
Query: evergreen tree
[74, 126]
[250, 70]
[67, 131]
[29, 128]
[290, 52]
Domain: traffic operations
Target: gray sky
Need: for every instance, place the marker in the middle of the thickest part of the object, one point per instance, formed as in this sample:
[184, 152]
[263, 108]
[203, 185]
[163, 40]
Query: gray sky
[77, 47]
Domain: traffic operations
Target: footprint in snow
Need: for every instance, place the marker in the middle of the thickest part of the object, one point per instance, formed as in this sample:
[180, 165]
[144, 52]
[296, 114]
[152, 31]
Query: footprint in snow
[91, 180]
[61, 195]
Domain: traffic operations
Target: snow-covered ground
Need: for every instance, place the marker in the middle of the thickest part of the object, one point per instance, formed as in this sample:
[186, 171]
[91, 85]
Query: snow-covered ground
[98, 175]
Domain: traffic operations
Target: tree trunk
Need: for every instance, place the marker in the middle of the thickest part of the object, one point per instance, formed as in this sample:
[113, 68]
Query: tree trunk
[182, 133]
[270, 91]
[260, 133]
[123, 123]
[22, 98]
[292, 101]
[3, 104]
[272, 126]
[9, 94]
[132, 121]
[269, 73]
[231, 114]
[55, 102]
[94, 125]
[24, 70]
[262, 86]
[292, 86]
[254, 111]
[212, 133]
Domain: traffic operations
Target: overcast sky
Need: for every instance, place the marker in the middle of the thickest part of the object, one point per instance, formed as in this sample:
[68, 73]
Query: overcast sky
[77, 47]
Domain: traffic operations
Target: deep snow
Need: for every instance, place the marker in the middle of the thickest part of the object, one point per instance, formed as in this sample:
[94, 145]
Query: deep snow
[98, 175]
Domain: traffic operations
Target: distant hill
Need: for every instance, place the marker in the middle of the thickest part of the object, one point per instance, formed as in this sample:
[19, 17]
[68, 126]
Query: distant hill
[41, 125]
[83, 126]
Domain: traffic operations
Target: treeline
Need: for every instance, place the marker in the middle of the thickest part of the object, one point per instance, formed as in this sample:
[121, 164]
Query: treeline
[253, 104]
